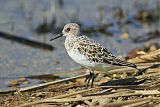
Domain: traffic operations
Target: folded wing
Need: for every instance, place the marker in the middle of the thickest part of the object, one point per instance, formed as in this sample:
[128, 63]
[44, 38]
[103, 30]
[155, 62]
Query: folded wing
[97, 53]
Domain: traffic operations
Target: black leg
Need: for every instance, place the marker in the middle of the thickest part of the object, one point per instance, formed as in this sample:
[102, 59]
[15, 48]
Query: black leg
[92, 80]
[89, 78]
[88, 81]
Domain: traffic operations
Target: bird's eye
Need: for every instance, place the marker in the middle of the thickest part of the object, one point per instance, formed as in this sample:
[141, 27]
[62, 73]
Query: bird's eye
[68, 29]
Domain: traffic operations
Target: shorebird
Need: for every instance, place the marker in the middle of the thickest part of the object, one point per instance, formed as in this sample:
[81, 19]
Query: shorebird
[87, 52]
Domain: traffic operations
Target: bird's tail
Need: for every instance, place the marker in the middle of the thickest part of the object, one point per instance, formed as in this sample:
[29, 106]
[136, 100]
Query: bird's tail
[121, 62]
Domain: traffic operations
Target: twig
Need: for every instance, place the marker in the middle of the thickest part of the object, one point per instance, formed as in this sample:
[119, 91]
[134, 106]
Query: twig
[121, 103]
[26, 41]
[137, 104]
[51, 83]
[75, 93]
[148, 76]
[148, 64]
[148, 92]
[126, 86]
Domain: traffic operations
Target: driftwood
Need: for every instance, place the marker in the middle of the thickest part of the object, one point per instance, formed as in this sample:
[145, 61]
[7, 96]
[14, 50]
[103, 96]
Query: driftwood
[51, 83]
[128, 103]
[26, 41]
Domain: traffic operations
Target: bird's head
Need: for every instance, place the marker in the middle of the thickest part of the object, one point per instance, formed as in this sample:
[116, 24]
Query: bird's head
[69, 30]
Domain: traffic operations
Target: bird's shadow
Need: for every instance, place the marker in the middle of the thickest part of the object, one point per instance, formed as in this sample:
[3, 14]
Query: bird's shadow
[126, 81]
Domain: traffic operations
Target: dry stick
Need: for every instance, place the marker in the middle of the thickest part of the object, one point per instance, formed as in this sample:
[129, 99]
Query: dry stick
[75, 93]
[148, 92]
[121, 103]
[25, 41]
[51, 83]
[126, 86]
[148, 76]
[148, 64]
[79, 92]
[137, 104]
[85, 101]
[154, 84]
[88, 102]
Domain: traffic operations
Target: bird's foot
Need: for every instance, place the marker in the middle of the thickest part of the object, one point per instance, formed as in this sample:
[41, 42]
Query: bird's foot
[89, 78]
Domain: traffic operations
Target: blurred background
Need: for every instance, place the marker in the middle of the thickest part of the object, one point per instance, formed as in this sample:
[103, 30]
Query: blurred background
[26, 26]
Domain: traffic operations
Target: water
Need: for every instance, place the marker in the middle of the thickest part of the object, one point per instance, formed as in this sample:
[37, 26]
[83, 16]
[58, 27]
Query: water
[22, 17]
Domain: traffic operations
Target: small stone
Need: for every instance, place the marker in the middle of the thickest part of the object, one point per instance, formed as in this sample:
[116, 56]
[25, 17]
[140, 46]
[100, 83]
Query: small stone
[114, 75]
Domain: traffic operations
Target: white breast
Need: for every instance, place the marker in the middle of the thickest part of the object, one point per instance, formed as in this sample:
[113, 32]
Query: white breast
[71, 45]
[80, 59]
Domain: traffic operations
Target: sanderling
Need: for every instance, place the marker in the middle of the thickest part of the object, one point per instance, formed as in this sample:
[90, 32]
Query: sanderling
[87, 52]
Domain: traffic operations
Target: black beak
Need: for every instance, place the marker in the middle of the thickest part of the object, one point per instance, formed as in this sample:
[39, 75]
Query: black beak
[56, 37]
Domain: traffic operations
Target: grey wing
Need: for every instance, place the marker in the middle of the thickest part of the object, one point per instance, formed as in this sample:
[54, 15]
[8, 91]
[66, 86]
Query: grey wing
[111, 59]
[97, 53]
